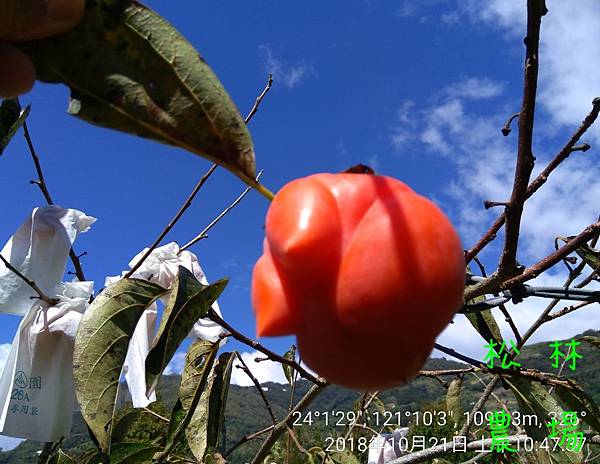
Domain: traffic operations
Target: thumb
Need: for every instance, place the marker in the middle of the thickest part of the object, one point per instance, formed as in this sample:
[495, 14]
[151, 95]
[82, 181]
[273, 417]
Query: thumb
[32, 19]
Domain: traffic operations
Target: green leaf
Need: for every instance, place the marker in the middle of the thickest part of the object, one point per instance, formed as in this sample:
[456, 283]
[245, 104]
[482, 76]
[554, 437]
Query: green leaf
[578, 400]
[535, 399]
[453, 400]
[204, 430]
[61, 458]
[287, 370]
[484, 322]
[594, 341]
[343, 457]
[100, 349]
[122, 426]
[189, 301]
[177, 416]
[200, 359]
[131, 70]
[486, 325]
[128, 453]
[132, 453]
[590, 255]
[11, 120]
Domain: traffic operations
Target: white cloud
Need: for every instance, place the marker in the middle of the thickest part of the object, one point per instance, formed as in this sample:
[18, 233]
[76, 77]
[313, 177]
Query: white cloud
[264, 371]
[482, 168]
[569, 77]
[403, 133]
[475, 88]
[523, 315]
[422, 10]
[289, 75]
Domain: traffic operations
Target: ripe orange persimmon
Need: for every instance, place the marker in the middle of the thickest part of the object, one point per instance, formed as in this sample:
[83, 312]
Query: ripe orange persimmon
[364, 271]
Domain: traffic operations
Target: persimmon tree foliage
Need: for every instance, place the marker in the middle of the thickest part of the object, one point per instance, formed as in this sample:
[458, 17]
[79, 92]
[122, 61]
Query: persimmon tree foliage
[146, 79]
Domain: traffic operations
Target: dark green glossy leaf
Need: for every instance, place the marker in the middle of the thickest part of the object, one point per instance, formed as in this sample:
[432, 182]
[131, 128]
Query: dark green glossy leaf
[189, 301]
[129, 69]
[11, 120]
[100, 349]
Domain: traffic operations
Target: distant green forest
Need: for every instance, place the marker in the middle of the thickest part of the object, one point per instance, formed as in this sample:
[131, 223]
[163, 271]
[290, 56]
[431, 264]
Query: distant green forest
[246, 413]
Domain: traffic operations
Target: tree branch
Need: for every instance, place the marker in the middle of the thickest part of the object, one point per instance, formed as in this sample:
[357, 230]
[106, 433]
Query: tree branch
[259, 99]
[525, 159]
[282, 426]
[41, 295]
[254, 380]
[203, 234]
[41, 183]
[170, 225]
[541, 179]
[190, 198]
[213, 316]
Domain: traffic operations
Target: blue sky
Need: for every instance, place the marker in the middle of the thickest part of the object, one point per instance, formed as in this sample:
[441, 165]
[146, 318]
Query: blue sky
[417, 90]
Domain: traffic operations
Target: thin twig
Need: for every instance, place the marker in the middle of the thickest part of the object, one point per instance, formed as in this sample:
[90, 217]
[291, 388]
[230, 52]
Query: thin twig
[204, 233]
[457, 355]
[247, 438]
[259, 99]
[40, 293]
[170, 225]
[567, 310]
[502, 404]
[533, 271]
[433, 374]
[301, 448]
[506, 128]
[282, 426]
[41, 183]
[532, 374]
[494, 282]
[190, 199]
[256, 383]
[511, 323]
[155, 414]
[213, 316]
[541, 179]
[480, 403]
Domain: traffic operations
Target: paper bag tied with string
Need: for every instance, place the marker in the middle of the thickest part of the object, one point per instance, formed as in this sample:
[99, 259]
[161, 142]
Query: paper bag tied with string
[36, 386]
[161, 268]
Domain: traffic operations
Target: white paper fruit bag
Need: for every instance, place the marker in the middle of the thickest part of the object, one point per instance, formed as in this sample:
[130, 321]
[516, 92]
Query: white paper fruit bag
[36, 385]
